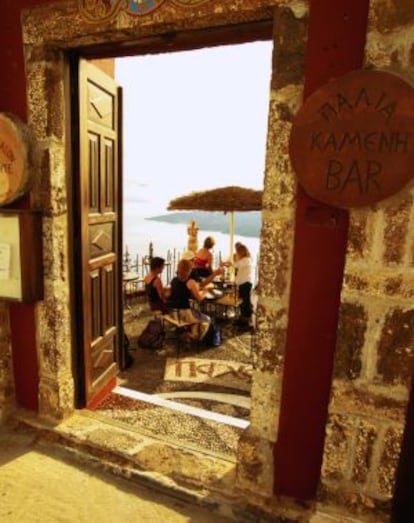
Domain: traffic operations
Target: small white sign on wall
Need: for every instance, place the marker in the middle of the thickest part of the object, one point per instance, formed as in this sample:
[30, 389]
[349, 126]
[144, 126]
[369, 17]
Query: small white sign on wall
[10, 273]
[21, 263]
[4, 261]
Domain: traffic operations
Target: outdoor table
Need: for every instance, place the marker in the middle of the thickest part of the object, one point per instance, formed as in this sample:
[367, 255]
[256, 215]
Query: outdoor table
[227, 306]
[222, 306]
[219, 283]
[131, 282]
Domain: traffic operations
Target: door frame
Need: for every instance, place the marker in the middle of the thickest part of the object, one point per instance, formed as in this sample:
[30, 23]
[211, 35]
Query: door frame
[228, 35]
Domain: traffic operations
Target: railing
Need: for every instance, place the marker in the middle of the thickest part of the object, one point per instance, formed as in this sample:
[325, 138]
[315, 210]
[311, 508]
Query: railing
[140, 264]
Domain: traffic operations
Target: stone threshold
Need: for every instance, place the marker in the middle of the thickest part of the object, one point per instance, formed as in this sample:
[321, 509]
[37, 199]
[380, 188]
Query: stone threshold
[205, 479]
[187, 474]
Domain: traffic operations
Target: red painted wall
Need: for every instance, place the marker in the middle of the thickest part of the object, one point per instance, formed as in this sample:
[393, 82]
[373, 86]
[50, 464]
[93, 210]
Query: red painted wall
[13, 84]
[13, 100]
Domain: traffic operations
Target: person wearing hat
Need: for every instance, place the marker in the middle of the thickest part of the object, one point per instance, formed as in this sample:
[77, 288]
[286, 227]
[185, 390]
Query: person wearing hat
[190, 255]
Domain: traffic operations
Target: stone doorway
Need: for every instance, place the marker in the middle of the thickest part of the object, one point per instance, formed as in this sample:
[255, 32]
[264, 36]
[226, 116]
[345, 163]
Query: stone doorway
[65, 31]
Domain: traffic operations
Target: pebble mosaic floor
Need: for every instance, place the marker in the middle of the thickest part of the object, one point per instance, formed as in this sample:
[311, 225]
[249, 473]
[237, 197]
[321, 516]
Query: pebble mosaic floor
[215, 379]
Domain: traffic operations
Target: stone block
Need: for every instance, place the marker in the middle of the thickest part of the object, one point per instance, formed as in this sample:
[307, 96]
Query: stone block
[187, 466]
[56, 396]
[357, 506]
[387, 16]
[55, 258]
[54, 87]
[396, 348]
[352, 327]
[364, 447]
[265, 398]
[280, 180]
[270, 338]
[36, 98]
[288, 55]
[396, 231]
[393, 286]
[357, 235]
[255, 464]
[359, 401]
[356, 282]
[389, 461]
[276, 246]
[338, 446]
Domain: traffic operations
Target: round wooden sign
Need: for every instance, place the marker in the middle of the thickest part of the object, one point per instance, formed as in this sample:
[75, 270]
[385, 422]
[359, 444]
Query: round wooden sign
[14, 149]
[352, 142]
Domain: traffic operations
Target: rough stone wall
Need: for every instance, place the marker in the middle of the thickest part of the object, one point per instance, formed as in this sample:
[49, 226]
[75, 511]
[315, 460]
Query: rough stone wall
[255, 464]
[47, 117]
[375, 345]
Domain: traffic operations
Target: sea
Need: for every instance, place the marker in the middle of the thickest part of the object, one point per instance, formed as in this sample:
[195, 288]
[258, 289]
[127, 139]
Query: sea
[139, 232]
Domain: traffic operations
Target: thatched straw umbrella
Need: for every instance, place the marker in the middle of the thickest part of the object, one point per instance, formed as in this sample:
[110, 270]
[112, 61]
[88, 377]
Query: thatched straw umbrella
[225, 199]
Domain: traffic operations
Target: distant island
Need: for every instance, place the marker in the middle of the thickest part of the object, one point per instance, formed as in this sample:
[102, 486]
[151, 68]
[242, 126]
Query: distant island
[245, 223]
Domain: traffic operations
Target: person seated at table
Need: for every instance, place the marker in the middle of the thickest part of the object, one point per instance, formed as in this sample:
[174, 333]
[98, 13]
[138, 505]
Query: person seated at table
[243, 280]
[156, 293]
[203, 261]
[183, 289]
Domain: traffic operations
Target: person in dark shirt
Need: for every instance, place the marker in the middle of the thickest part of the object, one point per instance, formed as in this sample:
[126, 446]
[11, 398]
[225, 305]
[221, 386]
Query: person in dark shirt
[155, 291]
[183, 290]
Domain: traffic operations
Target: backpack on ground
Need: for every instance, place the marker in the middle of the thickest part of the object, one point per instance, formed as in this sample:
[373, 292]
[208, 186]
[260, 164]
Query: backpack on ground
[212, 337]
[152, 337]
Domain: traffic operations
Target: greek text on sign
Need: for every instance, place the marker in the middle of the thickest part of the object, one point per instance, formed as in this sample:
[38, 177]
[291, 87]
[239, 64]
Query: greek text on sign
[352, 142]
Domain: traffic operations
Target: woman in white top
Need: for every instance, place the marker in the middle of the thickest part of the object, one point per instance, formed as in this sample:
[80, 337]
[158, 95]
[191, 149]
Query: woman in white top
[243, 280]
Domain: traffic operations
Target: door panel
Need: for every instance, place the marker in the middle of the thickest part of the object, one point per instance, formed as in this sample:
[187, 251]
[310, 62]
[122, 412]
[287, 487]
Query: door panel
[101, 227]
[109, 181]
[93, 172]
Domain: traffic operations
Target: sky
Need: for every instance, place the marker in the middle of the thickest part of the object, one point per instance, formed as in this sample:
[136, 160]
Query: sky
[193, 120]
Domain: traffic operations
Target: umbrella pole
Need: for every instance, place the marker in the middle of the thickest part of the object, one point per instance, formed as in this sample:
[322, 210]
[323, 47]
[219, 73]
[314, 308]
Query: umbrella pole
[231, 245]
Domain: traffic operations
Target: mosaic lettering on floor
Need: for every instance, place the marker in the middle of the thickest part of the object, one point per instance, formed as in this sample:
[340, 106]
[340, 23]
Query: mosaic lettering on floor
[218, 372]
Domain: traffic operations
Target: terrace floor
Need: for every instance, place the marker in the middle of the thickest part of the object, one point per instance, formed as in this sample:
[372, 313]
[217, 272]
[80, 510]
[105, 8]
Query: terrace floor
[191, 393]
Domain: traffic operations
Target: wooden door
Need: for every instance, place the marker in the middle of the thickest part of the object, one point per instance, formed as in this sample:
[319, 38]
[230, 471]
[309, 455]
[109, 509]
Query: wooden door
[100, 240]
